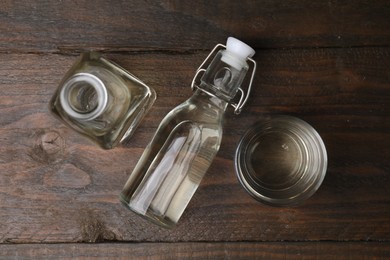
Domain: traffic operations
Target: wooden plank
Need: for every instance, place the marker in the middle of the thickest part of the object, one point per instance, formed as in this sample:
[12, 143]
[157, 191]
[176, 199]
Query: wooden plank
[68, 192]
[58, 26]
[239, 250]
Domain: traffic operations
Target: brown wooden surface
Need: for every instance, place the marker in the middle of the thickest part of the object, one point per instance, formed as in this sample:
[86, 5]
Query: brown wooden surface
[222, 250]
[327, 62]
[52, 26]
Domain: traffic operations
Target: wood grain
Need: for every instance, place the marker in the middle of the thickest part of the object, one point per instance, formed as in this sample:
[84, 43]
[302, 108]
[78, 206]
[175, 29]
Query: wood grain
[326, 62]
[63, 26]
[55, 186]
[239, 250]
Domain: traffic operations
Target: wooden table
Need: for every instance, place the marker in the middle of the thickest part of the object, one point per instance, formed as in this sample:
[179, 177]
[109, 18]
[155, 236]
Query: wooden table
[326, 62]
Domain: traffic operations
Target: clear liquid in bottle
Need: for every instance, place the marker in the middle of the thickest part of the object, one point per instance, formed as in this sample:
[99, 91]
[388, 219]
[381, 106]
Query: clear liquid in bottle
[173, 164]
[185, 144]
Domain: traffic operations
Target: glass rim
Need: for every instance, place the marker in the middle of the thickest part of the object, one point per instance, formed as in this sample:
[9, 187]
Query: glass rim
[306, 134]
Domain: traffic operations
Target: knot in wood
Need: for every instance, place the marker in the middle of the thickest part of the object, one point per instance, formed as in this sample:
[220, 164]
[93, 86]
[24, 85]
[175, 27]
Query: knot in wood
[52, 143]
[49, 147]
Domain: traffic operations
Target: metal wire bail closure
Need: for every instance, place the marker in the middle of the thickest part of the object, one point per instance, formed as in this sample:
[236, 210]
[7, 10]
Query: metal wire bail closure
[243, 97]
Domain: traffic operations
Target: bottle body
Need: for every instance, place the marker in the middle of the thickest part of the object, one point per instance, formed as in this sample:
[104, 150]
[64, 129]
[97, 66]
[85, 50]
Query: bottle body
[187, 140]
[101, 100]
[175, 161]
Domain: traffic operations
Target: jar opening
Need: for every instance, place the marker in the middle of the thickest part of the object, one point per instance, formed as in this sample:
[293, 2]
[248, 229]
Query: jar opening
[84, 96]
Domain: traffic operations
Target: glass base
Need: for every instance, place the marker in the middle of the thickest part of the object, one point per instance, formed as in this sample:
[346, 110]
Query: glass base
[162, 222]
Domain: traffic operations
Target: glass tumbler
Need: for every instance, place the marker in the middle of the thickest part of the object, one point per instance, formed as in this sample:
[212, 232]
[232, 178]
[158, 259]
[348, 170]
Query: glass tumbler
[281, 161]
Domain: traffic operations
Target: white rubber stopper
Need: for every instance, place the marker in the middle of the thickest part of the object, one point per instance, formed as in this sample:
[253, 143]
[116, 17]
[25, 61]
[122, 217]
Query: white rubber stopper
[236, 53]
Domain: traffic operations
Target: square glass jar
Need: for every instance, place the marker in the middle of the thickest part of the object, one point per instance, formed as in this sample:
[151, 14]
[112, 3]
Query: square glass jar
[101, 100]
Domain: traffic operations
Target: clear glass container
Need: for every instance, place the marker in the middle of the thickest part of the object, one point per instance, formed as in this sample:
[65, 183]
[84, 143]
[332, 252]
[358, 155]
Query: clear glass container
[186, 141]
[101, 100]
[281, 161]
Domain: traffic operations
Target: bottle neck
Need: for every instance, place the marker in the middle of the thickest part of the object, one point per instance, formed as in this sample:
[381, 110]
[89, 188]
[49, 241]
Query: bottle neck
[221, 78]
[210, 100]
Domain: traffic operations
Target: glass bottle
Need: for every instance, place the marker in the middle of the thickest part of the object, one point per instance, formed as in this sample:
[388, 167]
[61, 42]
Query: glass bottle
[101, 100]
[188, 138]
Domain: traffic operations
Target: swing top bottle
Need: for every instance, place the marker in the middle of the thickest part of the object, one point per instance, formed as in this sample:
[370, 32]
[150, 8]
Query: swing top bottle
[188, 138]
